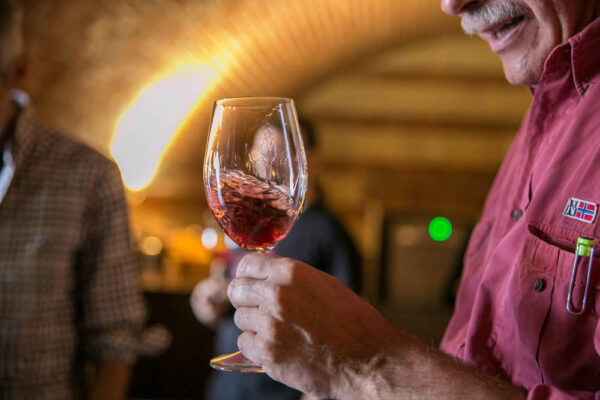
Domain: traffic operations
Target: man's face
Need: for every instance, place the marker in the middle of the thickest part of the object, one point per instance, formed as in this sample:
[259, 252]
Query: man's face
[522, 32]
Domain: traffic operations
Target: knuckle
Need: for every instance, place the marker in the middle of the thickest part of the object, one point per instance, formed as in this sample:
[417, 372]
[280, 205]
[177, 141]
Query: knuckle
[235, 290]
[231, 289]
[288, 269]
[292, 272]
[276, 299]
[249, 264]
[242, 265]
[269, 291]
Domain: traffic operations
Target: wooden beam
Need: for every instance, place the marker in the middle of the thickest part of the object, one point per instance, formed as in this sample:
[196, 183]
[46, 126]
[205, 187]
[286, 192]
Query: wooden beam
[414, 121]
[441, 77]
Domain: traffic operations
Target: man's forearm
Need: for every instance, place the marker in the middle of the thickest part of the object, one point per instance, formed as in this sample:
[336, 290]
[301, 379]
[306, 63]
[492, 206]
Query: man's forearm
[111, 381]
[312, 333]
[413, 370]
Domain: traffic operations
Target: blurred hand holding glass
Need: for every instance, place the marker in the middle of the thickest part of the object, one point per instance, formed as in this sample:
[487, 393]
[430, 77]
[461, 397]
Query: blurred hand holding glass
[255, 178]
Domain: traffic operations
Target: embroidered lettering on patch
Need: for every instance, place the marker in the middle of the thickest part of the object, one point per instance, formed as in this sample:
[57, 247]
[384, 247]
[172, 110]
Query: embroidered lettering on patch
[581, 210]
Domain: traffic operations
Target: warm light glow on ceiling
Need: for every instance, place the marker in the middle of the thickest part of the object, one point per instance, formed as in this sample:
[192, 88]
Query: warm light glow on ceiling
[246, 49]
[147, 128]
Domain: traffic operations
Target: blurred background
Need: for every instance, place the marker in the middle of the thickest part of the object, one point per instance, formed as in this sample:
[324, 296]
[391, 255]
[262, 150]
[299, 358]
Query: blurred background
[413, 119]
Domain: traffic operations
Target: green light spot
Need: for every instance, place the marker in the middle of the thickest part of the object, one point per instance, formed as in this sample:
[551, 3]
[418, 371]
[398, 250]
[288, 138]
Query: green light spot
[440, 229]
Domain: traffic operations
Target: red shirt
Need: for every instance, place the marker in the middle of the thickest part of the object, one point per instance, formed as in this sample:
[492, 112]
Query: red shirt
[510, 316]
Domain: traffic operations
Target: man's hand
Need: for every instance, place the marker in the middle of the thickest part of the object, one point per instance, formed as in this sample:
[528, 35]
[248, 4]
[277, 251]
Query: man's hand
[304, 327]
[309, 331]
[209, 299]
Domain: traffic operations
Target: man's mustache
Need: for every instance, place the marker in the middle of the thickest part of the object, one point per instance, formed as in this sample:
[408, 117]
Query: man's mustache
[489, 13]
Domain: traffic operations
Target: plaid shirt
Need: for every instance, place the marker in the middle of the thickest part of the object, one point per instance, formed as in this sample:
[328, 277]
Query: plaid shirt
[69, 283]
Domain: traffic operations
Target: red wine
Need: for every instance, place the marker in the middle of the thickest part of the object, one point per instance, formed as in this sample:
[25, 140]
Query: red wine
[253, 213]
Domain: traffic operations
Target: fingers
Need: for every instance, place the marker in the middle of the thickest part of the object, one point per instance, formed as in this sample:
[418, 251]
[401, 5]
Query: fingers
[245, 292]
[250, 319]
[271, 267]
[255, 265]
[247, 345]
[264, 349]
[261, 350]
[268, 282]
[265, 325]
[255, 320]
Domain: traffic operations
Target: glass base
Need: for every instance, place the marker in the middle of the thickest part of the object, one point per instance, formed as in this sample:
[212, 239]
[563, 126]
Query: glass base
[235, 362]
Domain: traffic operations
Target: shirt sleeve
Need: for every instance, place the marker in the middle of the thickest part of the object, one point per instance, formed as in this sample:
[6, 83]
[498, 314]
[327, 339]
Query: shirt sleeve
[111, 301]
[547, 392]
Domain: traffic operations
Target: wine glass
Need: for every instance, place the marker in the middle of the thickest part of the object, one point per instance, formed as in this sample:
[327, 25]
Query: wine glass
[255, 178]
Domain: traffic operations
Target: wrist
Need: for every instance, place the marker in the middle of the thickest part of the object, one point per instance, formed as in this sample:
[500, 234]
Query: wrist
[408, 368]
[374, 376]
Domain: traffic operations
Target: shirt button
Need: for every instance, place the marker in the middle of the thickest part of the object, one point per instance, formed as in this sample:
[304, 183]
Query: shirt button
[539, 285]
[516, 215]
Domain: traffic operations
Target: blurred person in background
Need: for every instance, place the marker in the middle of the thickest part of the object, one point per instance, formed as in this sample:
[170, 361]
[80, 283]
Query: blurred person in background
[69, 285]
[522, 326]
[317, 239]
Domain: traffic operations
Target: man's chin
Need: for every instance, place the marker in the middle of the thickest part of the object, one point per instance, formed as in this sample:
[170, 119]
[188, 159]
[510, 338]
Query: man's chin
[522, 76]
[524, 65]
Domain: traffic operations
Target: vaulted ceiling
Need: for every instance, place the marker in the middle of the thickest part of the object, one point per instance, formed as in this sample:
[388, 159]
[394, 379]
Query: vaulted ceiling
[92, 59]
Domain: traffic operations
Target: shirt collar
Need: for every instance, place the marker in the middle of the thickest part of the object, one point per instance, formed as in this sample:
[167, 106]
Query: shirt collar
[580, 55]
[585, 56]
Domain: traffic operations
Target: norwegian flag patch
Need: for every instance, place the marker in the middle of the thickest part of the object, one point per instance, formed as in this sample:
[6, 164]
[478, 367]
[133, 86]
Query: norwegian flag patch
[581, 210]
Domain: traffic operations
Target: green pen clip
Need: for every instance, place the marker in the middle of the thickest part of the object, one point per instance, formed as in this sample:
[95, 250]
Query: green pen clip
[585, 248]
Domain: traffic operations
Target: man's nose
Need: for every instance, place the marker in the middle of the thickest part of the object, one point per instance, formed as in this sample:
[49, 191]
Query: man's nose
[456, 7]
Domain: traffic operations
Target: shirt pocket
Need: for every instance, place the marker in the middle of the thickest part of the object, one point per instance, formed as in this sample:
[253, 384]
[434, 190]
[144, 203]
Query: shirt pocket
[561, 243]
[566, 353]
